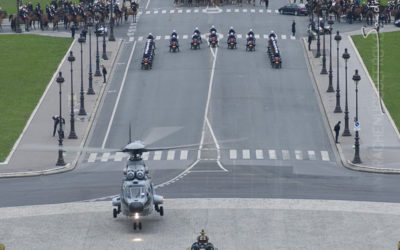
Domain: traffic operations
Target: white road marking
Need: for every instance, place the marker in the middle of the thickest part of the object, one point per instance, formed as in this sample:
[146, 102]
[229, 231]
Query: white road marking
[233, 154]
[140, 38]
[276, 11]
[163, 11]
[119, 156]
[158, 37]
[311, 155]
[148, 12]
[257, 36]
[156, 12]
[285, 155]
[269, 11]
[196, 11]
[265, 36]
[325, 155]
[147, 5]
[236, 10]
[228, 10]
[293, 37]
[131, 39]
[179, 11]
[145, 156]
[239, 36]
[118, 97]
[171, 155]
[157, 155]
[283, 37]
[298, 154]
[261, 11]
[272, 154]
[252, 10]
[188, 11]
[185, 37]
[105, 156]
[130, 34]
[244, 10]
[220, 36]
[172, 11]
[246, 154]
[166, 37]
[92, 157]
[184, 155]
[259, 154]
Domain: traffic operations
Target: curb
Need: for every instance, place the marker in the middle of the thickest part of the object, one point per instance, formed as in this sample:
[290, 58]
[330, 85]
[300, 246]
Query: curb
[69, 166]
[347, 163]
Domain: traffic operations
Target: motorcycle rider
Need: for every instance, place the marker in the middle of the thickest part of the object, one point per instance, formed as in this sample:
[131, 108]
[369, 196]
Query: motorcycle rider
[231, 36]
[196, 33]
[231, 30]
[150, 36]
[174, 38]
[213, 29]
[272, 34]
[213, 35]
[250, 36]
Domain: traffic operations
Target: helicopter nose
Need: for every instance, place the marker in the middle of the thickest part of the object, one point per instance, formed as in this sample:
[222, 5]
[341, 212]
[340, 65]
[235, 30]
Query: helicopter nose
[135, 207]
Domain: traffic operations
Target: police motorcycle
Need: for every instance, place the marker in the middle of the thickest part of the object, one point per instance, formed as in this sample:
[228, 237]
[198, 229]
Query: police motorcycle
[197, 32]
[251, 41]
[213, 38]
[148, 55]
[231, 39]
[202, 243]
[196, 40]
[273, 51]
[173, 42]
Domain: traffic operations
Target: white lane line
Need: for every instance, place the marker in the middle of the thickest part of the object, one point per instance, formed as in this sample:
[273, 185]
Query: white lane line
[148, 12]
[259, 154]
[228, 10]
[92, 157]
[220, 36]
[276, 11]
[325, 155]
[179, 11]
[184, 155]
[285, 155]
[269, 11]
[252, 10]
[171, 155]
[105, 157]
[147, 5]
[283, 37]
[119, 156]
[311, 155]
[239, 36]
[118, 97]
[157, 155]
[246, 154]
[130, 33]
[156, 12]
[139, 13]
[188, 11]
[131, 39]
[298, 154]
[272, 154]
[163, 11]
[233, 154]
[244, 10]
[185, 37]
[196, 11]
[172, 11]
[145, 156]
[261, 11]
[256, 36]
[140, 38]
[158, 37]
[265, 36]
[166, 37]
[236, 10]
[293, 37]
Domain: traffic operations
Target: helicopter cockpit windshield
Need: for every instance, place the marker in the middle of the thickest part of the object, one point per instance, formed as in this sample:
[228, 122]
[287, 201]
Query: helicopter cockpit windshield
[134, 192]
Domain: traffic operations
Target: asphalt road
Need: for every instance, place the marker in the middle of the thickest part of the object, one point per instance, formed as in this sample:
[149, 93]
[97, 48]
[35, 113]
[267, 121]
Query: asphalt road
[227, 99]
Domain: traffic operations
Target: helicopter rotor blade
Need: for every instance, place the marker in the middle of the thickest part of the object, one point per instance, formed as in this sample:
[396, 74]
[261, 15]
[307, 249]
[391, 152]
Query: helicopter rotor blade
[130, 133]
[159, 133]
[36, 147]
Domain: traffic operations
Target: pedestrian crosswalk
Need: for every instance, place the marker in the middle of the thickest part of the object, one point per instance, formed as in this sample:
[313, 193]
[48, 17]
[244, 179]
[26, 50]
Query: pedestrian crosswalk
[231, 154]
[207, 11]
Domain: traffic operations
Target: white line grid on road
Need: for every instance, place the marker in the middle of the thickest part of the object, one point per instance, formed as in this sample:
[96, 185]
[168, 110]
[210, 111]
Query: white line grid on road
[220, 36]
[234, 154]
[204, 10]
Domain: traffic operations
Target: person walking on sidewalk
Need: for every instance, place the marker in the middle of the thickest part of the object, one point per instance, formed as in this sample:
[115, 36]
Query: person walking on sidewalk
[294, 28]
[310, 37]
[104, 74]
[56, 120]
[73, 31]
[337, 129]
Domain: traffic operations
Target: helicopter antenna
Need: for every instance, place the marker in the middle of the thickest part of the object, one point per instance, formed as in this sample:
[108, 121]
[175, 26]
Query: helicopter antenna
[130, 134]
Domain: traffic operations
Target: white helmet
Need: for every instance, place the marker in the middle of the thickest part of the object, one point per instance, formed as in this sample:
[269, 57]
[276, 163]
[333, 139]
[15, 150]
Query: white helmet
[231, 28]
[212, 27]
[174, 31]
[251, 30]
[196, 28]
[150, 34]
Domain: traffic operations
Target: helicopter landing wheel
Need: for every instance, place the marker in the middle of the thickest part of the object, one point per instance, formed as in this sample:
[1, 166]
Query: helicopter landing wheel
[134, 225]
[140, 225]
[162, 211]
[115, 212]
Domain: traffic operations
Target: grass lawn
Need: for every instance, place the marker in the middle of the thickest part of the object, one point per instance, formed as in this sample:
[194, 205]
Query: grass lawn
[11, 5]
[27, 65]
[390, 75]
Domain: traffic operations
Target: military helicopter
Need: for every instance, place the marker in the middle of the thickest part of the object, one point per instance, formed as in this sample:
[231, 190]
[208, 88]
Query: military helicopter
[137, 196]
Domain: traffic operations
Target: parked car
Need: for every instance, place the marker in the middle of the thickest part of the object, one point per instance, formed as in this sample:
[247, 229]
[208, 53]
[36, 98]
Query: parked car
[397, 23]
[294, 8]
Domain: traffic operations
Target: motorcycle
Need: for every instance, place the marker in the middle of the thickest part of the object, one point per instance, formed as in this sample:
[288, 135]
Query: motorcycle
[213, 41]
[173, 46]
[251, 45]
[195, 43]
[232, 43]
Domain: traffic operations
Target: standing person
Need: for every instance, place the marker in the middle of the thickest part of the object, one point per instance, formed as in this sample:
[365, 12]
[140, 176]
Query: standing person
[337, 129]
[104, 74]
[294, 28]
[266, 4]
[310, 37]
[73, 30]
[56, 120]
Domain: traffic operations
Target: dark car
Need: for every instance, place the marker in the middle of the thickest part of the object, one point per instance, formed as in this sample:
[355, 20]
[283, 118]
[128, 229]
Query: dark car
[294, 8]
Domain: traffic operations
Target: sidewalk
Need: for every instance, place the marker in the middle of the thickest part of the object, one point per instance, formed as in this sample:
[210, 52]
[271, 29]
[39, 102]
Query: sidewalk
[379, 138]
[39, 129]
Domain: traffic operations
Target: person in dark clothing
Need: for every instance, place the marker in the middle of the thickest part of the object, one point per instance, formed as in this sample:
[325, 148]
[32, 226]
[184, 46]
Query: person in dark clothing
[104, 74]
[294, 28]
[337, 129]
[266, 4]
[56, 120]
[310, 37]
[73, 31]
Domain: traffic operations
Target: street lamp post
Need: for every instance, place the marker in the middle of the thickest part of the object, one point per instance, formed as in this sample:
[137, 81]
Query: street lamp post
[111, 36]
[90, 89]
[72, 134]
[104, 56]
[318, 39]
[82, 110]
[60, 160]
[338, 109]
[356, 79]
[97, 32]
[17, 27]
[346, 131]
[330, 86]
[323, 71]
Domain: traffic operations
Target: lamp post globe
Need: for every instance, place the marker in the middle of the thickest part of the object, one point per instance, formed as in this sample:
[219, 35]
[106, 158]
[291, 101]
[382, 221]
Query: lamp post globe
[356, 159]
[346, 131]
[330, 76]
[338, 109]
[90, 89]
[82, 110]
[60, 160]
